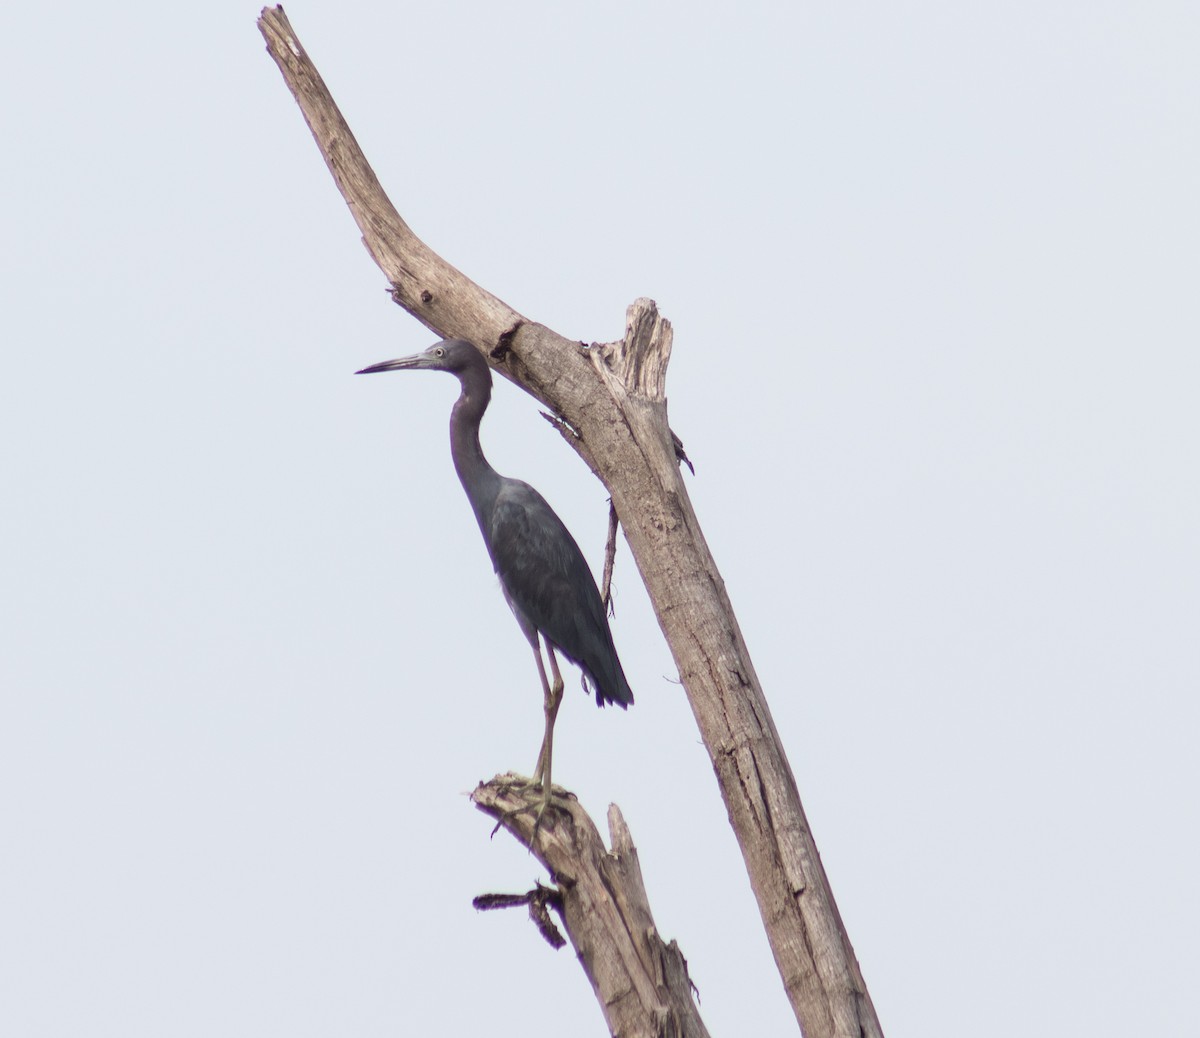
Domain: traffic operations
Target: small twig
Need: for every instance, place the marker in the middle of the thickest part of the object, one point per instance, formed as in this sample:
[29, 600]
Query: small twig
[540, 900]
[490, 902]
[680, 453]
[540, 914]
[610, 556]
[569, 432]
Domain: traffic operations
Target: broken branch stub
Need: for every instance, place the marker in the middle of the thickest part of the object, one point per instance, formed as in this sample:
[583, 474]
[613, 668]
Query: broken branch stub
[641, 981]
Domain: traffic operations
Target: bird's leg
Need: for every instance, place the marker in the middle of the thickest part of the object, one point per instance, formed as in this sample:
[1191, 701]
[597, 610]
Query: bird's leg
[540, 766]
[554, 694]
[552, 699]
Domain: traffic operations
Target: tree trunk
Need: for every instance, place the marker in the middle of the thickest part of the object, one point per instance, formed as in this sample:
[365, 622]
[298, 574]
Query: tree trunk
[611, 401]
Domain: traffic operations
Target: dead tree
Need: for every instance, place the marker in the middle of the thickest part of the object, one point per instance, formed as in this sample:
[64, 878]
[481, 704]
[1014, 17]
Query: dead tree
[609, 399]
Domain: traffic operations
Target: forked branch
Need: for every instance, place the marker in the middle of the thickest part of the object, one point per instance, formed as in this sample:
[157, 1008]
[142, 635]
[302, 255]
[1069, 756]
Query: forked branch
[612, 398]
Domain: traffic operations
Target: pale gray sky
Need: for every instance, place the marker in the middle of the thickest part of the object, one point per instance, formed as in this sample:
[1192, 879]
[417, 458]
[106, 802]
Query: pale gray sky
[933, 272]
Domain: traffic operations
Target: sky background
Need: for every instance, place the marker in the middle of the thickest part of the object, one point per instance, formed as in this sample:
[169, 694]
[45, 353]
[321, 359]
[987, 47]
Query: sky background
[933, 274]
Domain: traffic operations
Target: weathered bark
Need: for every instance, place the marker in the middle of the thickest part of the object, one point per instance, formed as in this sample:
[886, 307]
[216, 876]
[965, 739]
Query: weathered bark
[611, 397]
[641, 982]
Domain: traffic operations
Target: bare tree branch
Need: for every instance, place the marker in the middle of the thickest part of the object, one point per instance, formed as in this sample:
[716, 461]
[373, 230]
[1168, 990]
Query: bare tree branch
[610, 558]
[539, 901]
[641, 982]
[613, 398]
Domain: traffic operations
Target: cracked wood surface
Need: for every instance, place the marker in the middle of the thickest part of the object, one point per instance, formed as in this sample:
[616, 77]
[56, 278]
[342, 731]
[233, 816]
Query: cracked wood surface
[613, 397]
[640, 981]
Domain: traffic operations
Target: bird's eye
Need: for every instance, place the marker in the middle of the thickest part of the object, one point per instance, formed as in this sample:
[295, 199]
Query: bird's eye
[439, 352]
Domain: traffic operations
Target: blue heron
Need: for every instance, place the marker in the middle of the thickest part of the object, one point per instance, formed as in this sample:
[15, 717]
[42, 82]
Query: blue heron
[542, 572]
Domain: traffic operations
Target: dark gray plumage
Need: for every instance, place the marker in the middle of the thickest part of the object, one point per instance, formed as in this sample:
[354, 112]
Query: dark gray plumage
[543, 574]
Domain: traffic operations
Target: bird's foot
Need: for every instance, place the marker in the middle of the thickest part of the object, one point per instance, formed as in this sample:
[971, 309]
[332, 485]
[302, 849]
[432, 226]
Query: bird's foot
[526, 786]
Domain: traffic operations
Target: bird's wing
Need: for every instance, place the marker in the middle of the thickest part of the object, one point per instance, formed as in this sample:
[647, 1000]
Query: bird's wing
[543, 571]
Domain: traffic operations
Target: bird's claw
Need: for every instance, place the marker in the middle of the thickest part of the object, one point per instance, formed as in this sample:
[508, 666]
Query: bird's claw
[540, 805]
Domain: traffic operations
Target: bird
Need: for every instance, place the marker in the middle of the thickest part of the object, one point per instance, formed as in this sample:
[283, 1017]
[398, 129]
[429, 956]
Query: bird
[542, 572]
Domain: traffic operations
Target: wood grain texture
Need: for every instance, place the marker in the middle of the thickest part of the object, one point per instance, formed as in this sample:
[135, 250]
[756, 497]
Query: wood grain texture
[641, 982]
[610, 403]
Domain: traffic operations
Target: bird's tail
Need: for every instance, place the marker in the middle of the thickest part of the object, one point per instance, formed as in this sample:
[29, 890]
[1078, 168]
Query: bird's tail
[607, 680]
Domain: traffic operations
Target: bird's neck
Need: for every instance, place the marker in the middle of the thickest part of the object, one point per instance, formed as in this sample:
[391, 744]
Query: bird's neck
[478, 478]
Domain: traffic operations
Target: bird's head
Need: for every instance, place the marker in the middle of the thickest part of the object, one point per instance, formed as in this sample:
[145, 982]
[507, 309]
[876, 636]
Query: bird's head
[453, 355]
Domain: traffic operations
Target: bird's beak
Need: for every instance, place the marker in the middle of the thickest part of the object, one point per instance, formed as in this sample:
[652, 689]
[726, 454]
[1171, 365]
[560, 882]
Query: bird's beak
[418, 360]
